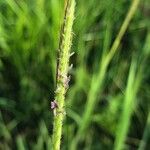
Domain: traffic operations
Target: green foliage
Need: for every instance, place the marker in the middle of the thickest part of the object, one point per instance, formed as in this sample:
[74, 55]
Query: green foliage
[108, 100]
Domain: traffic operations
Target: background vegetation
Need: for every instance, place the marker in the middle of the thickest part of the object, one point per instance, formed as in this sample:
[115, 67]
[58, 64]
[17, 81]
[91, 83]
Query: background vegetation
[107, 103]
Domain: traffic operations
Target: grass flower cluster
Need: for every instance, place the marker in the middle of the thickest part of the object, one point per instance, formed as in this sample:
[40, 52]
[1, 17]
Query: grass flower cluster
[62, 73]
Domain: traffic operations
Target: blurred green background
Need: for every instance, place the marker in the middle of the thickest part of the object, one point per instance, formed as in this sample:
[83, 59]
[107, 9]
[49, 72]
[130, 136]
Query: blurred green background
[108, 100]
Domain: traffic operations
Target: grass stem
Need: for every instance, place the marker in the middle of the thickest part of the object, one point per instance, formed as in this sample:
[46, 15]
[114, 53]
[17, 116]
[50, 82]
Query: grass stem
[62, 73]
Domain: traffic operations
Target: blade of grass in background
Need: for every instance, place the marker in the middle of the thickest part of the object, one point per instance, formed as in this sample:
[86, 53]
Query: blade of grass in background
[146, 136]
[134, 80]
[20, 143]
[98, 79]
[43, 140]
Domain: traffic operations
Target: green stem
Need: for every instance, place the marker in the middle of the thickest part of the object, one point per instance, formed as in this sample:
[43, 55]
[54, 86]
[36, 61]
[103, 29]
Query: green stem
[123, 29]
[62, 73]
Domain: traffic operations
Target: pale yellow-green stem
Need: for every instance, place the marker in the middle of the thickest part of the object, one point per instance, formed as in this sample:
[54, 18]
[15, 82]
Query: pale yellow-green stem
[58, 105]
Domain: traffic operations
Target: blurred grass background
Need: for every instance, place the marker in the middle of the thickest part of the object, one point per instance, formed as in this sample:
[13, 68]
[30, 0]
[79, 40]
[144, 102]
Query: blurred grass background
[107, 103]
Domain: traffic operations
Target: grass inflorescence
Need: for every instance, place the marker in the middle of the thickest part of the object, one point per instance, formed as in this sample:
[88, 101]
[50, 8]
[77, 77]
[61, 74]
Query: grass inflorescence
[62, 73]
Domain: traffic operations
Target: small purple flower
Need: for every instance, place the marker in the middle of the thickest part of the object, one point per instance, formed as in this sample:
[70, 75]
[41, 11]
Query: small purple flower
[54, 105]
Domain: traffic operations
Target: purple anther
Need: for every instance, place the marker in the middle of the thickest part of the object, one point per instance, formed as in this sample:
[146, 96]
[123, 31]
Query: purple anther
[54, 105]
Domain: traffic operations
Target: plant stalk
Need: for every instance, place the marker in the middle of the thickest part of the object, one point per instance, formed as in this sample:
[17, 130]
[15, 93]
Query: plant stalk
[58, 105]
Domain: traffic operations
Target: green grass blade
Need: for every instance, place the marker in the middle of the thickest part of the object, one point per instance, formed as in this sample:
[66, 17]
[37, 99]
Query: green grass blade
[128, 107]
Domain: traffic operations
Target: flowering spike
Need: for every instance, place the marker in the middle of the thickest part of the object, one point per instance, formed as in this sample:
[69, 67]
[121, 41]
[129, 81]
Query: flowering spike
[62, 73]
